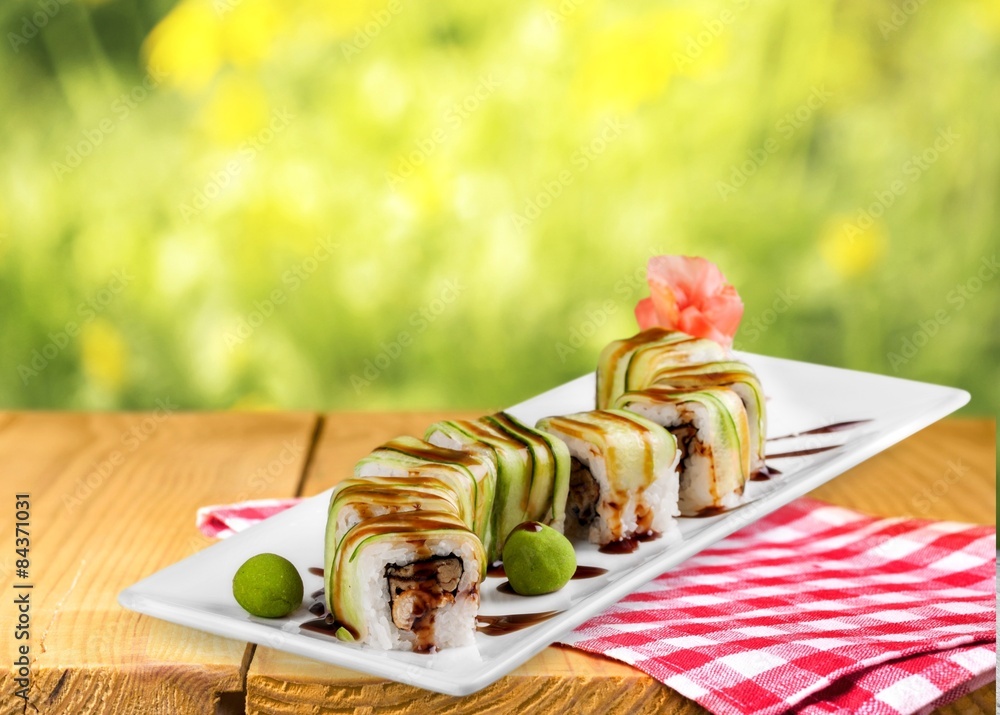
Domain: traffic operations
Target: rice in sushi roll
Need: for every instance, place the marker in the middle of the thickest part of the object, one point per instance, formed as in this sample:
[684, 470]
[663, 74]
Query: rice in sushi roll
[713, 434]
[407, 581]
[738, 377]
[623, 479]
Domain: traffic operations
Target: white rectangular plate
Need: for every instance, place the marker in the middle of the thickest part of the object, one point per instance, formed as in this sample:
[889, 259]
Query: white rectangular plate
[197, 591]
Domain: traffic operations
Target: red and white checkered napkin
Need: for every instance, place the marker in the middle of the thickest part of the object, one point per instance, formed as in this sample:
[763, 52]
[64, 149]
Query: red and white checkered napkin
[816, 609]
[813, 609]
[222, 520]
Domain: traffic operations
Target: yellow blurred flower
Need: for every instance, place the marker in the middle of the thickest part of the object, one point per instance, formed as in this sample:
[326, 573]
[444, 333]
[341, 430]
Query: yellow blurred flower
[988, 12]
[250, 30]
[423, 188]
[626, 64]
[104, 353]
[197, 37]
[700, 42]
[238, 109]
[186, 45]
[634, 61]
[852, 247]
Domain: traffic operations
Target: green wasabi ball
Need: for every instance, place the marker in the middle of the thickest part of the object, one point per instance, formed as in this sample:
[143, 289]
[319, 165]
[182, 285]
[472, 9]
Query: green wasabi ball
[267, 585]
[538, 559]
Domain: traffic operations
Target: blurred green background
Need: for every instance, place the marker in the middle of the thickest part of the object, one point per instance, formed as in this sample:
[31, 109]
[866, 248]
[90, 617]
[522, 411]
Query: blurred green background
[249, 203]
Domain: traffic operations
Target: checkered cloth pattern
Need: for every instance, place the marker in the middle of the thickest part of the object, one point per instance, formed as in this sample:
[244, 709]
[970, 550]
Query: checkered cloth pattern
[222, 520]
[816, 609]
[812, 609]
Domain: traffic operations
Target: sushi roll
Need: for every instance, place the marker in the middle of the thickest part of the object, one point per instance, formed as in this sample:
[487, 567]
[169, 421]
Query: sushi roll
[407, 581]
[670, 359]
[532, 468]
[626, 365]
[738, 377]
[473, 475]
[354, 500]
[713, 435]
[623, 476]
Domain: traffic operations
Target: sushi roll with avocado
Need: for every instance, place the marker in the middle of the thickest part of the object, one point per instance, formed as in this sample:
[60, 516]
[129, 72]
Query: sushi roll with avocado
[407, 581]
[532, 468]
[713, 435]
[474, 475]
[623, 475]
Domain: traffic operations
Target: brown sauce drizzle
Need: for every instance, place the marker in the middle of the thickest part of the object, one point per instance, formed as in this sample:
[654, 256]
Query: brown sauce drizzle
[317, 593]
[581, 572]
[804, 452]
[315, 571]
[432, 453]
[532, 526]
[397, 522]
[707, 512]
[647, 437]
[622, 546]
[327, 625]
[588, 572]
[525, 440]
[825, 429]
[764, 473]
[505, 587]
[502, 625]
[627, 544]
[496, 571]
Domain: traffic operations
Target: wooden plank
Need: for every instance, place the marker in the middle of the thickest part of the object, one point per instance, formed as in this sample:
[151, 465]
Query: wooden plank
[982, 701]
[113, 499]
[561, 679]
[346, 437]
[947, 471]
[557, 680]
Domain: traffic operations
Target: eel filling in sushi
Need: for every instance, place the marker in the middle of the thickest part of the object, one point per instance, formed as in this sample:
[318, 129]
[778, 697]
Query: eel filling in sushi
[417, 589]
[584, 493]
[687, 441]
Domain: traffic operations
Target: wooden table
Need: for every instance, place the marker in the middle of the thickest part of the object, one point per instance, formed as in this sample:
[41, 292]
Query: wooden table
[113, 498]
